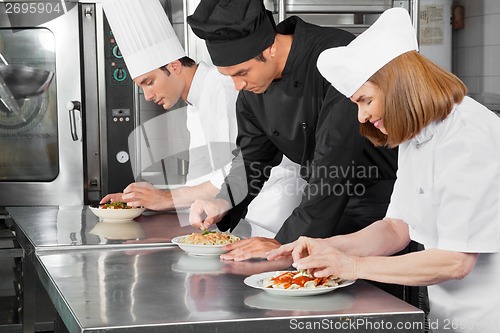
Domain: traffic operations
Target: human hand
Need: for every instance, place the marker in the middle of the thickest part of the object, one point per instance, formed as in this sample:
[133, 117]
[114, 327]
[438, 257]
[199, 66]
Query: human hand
[255, 247]
[146, 195]
[297, 249]
[319, 257]
[204, 213]
[112, 197]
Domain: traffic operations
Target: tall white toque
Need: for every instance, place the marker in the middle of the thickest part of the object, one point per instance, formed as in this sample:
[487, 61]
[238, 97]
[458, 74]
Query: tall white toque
[144, 34]
[347, 68]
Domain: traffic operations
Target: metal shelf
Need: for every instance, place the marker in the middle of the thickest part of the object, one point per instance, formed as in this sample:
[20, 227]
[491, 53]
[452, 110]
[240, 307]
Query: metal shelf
[10, 305]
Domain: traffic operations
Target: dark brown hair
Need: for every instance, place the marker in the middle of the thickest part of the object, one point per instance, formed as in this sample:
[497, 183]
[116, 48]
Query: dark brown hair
[416, 92]
[185, 61]
[260, 57]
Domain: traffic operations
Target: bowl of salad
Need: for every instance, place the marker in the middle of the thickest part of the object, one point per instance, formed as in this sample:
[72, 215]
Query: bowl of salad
[116, 211]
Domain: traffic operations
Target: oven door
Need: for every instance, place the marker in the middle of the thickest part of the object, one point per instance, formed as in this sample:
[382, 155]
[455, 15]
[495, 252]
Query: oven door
[41, 159]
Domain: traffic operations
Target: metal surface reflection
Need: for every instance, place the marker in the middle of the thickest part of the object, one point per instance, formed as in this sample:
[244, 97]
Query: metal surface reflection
[78, 227]
[122, 290]
[302, 304]
[124, 230]
[154, 287]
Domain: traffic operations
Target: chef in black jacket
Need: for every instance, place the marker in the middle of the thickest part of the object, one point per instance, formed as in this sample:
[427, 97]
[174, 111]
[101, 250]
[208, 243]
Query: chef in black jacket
[285, 106]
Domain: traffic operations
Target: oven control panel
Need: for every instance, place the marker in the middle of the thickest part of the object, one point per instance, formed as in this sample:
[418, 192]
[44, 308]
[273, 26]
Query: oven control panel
[119, 115]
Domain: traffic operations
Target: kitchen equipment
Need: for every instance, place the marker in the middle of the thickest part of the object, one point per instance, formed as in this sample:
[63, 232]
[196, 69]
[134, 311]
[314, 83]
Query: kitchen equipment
[351, 15]
[40, 164]
[24, 81]
[64, 136]
[20, 82]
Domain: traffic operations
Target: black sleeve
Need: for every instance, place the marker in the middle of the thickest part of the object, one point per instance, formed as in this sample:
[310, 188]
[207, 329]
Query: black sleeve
[338, 147]
[250, 168]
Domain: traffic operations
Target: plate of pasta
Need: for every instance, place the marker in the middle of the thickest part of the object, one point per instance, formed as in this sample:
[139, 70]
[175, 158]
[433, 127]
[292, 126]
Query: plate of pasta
[208, 243]
[295, 283]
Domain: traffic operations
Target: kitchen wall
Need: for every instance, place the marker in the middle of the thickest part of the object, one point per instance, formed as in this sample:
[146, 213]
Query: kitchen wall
[476, 47]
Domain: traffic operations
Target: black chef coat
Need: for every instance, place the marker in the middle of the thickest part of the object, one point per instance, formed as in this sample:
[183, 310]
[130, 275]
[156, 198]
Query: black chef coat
[302, 116]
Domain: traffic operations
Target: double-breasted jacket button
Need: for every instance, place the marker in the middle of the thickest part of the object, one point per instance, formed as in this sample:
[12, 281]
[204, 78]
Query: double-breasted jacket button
[296, 84]
[305, 126]
[276, 133]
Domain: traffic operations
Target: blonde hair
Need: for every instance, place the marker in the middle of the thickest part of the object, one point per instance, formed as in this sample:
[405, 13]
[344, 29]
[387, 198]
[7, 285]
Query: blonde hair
[415, 92]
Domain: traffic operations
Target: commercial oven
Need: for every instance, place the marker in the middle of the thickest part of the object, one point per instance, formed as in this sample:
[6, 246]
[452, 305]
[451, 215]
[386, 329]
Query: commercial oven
[40, 163]
[70, 144]
[352, 15]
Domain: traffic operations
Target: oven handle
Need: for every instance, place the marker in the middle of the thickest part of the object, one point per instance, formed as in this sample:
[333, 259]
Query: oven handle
[281, 10]
[73, 106]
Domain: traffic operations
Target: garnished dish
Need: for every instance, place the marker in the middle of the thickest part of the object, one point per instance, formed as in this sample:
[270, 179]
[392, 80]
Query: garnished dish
[208, 243]
[295, 283]
[302, 279]
[117, 211]
[115, 205]
[209, 238]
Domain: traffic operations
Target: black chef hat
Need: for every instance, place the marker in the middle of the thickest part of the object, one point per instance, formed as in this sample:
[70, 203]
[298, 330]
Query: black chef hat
[234, 30]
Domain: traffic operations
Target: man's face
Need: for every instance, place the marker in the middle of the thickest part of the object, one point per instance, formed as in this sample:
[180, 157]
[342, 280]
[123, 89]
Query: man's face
[161, 88]
[252, 75]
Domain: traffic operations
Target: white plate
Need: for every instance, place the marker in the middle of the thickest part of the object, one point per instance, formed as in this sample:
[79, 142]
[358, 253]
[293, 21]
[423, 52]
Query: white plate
[117, 215]
[255, 281]
[199, 250]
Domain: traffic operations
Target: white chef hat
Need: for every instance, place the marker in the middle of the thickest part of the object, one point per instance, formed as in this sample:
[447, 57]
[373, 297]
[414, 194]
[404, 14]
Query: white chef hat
[144, 34]
[347, 68]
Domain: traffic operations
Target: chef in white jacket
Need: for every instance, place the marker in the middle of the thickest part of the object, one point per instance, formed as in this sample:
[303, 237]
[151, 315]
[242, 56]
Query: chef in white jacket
[447, 192]
[158, 64]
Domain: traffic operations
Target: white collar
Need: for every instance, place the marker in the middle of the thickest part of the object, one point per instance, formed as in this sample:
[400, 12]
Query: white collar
[427, 133]
[194, 94]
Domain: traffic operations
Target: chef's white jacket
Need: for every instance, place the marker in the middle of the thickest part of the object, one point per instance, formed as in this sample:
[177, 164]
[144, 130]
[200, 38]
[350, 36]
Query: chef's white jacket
[448, 192]
[211, 119]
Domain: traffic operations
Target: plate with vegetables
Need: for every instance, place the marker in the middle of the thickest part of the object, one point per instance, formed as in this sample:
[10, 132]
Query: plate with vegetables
[117, 211]
[208, 243]
[295, 283]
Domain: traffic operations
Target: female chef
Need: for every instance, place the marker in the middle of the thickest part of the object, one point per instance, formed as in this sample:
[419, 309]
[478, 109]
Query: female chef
[448, 184]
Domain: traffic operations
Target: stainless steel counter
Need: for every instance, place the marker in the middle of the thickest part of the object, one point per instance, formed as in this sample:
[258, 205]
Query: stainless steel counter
[72, 228]
[99, 282]
[52, 227]
[160, 290]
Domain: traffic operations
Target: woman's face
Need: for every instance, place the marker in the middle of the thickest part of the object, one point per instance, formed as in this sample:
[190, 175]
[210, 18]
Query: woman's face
[370, 105]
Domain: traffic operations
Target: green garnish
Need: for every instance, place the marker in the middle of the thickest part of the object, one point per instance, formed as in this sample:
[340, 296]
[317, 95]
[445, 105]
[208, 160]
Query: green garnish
[115, 205]
[206, 232]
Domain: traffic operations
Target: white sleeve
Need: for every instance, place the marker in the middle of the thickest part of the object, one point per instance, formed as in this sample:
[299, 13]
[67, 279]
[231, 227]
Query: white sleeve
[221, 129]
[217, 178]
[468, 187]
